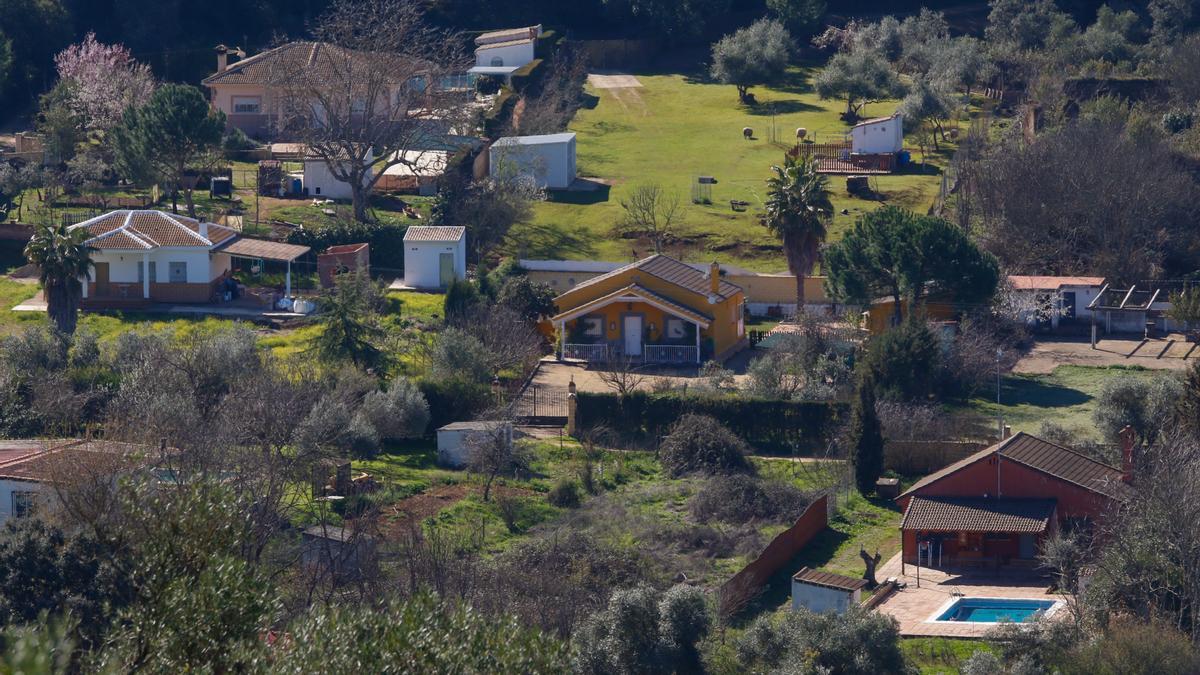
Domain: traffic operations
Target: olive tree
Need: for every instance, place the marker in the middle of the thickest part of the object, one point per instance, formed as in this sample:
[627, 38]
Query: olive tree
[859, 77]
[756, 54]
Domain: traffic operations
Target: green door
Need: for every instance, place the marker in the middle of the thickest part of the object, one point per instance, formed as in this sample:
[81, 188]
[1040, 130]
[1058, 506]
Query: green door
[446, 269]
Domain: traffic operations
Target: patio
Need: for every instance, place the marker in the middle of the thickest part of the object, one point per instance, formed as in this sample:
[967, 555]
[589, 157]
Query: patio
[914, 605]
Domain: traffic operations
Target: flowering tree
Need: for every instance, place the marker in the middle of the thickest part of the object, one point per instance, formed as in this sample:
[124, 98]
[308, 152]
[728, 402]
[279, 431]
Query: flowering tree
[107, 80]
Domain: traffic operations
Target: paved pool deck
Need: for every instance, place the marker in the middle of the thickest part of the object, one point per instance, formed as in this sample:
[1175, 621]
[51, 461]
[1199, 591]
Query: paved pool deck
[914, 605]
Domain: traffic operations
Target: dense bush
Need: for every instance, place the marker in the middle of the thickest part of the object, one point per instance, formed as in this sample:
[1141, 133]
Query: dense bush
[565, 494]
[399, 412]
[904, 362]
[1138, 402]
[860, 642]
[740, 499]
[529, 76]
[457, 354]
[641, 632]
[387, 241]
[767, 424]
[453, 399]
[701, 444]
[495, 121]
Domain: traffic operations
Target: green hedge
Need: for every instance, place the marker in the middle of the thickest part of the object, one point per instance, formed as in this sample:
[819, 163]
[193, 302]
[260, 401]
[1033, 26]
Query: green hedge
[387, 241]
[495, 121]
[767, 424]
[528, 75]
[547, 44]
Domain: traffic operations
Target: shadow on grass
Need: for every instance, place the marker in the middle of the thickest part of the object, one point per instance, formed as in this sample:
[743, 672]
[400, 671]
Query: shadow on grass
[594, 193]
[786, 107]
[1034, 392]
[817, 553]
[551, 241]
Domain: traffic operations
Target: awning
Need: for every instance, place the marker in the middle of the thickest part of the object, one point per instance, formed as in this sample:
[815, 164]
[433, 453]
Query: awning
[260, 249]
[946, 514]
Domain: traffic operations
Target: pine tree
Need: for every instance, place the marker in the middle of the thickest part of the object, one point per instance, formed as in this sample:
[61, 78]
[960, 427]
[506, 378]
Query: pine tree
[866, 437]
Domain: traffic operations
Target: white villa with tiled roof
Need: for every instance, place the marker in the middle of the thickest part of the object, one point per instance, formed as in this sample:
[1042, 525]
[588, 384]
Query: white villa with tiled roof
[154, 256]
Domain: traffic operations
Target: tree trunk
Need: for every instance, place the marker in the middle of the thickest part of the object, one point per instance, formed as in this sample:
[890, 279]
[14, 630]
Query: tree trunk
[741, 90]
[487, 486]
[175, 200]
[359, 198]
[62, 307]
[872, 563]
[896, 307]
[799, 294]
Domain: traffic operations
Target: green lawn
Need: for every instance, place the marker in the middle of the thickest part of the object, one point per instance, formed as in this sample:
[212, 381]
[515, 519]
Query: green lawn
[675, 128]
[940, 656]
[1065, 397]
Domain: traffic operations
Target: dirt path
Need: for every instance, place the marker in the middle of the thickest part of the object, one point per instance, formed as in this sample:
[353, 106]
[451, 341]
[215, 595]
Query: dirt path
[1172, 353]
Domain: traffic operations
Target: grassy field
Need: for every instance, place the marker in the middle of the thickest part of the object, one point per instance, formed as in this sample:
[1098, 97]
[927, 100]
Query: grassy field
[1065, 397]
[940, 656]
[675, 128]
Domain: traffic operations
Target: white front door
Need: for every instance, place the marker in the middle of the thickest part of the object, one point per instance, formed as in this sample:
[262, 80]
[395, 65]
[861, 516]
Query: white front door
[633, 335]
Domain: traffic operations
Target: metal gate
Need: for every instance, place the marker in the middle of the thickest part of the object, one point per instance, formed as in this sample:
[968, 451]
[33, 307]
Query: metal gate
[542, 405]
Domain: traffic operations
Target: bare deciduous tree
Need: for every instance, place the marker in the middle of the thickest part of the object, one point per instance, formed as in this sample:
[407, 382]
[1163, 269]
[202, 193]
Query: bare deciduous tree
[492, 451]
[550, 109]
[651, 212]
[373, 92]
[621, 375]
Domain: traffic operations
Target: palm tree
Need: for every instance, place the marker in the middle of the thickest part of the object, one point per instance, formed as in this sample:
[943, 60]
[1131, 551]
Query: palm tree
[64, 259]
[797, 208]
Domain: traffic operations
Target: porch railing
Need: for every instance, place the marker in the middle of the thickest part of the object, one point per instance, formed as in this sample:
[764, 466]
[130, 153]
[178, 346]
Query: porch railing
[586, 352]
[672, 353]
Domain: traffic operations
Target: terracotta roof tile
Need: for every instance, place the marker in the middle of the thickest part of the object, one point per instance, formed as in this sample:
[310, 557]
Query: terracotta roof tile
[274, 66]
[978, 515]
[1026, 282]
[147, 229]
[670, 270]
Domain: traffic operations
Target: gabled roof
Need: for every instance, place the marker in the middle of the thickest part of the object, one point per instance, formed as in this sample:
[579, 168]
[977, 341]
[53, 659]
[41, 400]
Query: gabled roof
[1026, 282]
[669, 270]
[507, 35]
[48, 461]
[543, 139]
[949, 514]
[144, 230]
[829, 580]
[434, 233]
[507, 43]
[877, 120]
[640, 292]
[271, 66]
[1051, 459]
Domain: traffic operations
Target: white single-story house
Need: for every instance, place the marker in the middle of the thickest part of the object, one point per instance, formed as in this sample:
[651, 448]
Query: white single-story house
[499, 53]
[319, 181]
[434, 256]
[825, 591]
[878, 136]
[144, 256]
[549, 159]
[28, 468]
[454, 440]
[1047, 300]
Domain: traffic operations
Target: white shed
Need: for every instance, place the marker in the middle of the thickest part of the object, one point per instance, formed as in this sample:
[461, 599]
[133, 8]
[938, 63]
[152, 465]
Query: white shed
[434, 256]
[825, 591]
[320, 182]
[1047, 300]
[549, 159]
[878, 136]
[454, 444]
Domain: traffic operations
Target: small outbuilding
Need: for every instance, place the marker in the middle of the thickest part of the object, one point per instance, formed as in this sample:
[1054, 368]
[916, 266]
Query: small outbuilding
[434, 256]
[549, 159]
[878, 136]
[344, 553]
[341, 260]
[499, 53]
[825, 591]
[454, 440]
[319, 180]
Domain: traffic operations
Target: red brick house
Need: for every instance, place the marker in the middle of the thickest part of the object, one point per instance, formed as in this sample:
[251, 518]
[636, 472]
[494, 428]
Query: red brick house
[996, 507]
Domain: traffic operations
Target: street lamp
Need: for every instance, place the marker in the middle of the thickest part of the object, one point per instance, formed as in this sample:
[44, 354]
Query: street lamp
[999, 354]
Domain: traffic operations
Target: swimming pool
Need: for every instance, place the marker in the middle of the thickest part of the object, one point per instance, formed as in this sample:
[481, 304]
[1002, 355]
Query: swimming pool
[994, 610]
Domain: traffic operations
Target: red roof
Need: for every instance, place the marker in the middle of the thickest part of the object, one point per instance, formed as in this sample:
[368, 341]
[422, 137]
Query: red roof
[829, 580]
[948, 514]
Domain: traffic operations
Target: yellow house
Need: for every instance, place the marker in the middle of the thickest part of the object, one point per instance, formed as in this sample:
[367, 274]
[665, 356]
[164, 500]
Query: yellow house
[656, 310]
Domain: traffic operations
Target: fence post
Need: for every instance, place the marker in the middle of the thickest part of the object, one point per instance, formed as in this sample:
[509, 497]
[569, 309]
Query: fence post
[572, 403]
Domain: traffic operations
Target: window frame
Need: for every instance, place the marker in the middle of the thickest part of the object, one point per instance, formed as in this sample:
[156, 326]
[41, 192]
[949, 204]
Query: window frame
[236, 102]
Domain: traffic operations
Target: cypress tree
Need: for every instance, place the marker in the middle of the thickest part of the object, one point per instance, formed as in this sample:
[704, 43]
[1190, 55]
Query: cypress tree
[866, 438]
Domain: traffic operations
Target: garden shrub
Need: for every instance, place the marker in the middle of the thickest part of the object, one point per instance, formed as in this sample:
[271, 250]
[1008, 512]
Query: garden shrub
[859, 642]
[387, 241]
[904, 362]
[701, 444]
[528, 77]
[565, 494]
[453, 399]
[740, 499]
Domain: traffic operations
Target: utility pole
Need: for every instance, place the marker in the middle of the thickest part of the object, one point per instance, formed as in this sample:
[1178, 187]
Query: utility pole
[999, 353]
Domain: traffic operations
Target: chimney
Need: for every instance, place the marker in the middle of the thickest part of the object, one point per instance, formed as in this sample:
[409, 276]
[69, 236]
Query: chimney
[203, 229]
[714, 278]
[1127, 437]
[222, 58]
[1007, 431]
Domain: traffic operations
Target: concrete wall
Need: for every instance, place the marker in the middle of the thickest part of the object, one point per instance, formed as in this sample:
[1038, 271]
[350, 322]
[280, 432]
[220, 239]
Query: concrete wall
[511, 55]
[879, 138]
[822, 599]
[454, 446]
[422, 262]
[552, 165]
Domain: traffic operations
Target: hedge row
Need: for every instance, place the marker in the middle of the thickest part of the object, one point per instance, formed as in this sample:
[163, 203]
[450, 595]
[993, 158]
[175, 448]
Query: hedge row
[529, 75]
[767, 424]
[547, 44]
[387, 241]
[495, 121]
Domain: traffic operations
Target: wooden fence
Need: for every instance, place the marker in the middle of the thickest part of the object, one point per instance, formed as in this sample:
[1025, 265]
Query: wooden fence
[735, 594]
[841, 158]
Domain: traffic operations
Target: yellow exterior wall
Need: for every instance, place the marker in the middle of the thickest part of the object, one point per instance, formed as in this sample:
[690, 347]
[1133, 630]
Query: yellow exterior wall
[879, 316]
[725, 327]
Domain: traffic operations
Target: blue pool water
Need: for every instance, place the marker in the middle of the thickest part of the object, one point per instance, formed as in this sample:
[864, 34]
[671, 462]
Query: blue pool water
[995, 610]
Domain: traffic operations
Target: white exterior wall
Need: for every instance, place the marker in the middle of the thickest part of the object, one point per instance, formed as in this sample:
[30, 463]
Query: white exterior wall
[511, 55]
[422, 262]
[7, 488]
[454, 448]
[822, 599]
[320, 181]
[123, 265]
[552, 165]
[885, 136]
